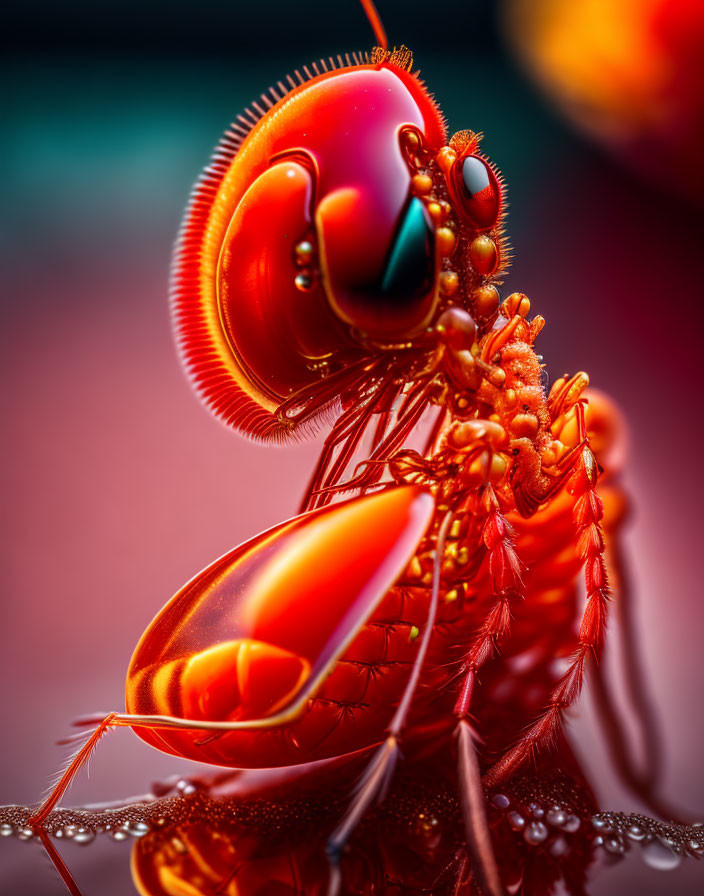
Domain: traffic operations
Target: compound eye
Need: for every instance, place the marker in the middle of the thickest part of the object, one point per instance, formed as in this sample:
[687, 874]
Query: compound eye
[480, 192]
[395, 299]
[408, 276]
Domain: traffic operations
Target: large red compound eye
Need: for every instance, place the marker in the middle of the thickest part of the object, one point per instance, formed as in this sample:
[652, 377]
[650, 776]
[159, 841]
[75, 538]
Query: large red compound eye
[478, 192]
[397, 298]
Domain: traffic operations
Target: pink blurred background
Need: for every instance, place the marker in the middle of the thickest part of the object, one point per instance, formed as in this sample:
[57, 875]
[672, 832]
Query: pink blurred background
[118, 486]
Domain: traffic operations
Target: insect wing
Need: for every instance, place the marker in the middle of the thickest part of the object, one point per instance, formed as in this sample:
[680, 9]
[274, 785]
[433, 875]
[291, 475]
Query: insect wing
[264, 624]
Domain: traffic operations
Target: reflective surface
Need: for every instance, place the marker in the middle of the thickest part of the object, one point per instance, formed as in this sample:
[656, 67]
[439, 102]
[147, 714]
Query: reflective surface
[214, 837]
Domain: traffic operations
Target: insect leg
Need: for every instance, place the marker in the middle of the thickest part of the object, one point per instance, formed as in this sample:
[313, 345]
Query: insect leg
[588, 513]
[406, 420]
[474, 813]
[349, 426]
[353, 440]
[381, 767]
[75, 765]
[504, 569]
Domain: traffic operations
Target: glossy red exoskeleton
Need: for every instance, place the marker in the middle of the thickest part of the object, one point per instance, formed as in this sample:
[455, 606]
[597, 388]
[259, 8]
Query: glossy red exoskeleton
[342, 255]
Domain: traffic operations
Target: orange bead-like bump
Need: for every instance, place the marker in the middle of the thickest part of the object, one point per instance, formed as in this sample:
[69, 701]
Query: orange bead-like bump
[436, 212]
[524, 426]
[471, 431]
[510, 397]
[485, 300]
[445, 240]
[498, 468]
[446, 158]
[411, 140]
[497, 377]
[484, 255]
[457, 328]
[449, 283]
[516, 304]
[421, 184]
[552, 453]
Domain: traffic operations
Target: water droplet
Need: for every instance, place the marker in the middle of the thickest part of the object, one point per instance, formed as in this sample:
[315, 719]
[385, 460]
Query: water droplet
[84, 836]
[572, 824]
[516, 821]
[536, 810]
[185, 787]
[119, 834]
[601, 824]
[635, 832]
[69, 830]
[556, 817]
[614, 845]
[659, 856]
[535, 833]
[6, 830]
[501, 801]
[696, 845]
[25, 833]
[137, 828]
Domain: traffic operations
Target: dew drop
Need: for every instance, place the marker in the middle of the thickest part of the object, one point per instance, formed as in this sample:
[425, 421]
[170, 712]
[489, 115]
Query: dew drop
[536, 810]
[184, 786]
[600, 824]
[84, 836]
[119, 834]
[501, 801]
[659, 856]
[635, 832]
[556, 817]
[535, 833]
[572, 824]
[6, 830]
[25, 833]
[137, 828]
[614, 845]
[516, 821]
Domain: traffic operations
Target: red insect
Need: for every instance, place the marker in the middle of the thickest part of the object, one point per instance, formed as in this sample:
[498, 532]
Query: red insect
[342, 256]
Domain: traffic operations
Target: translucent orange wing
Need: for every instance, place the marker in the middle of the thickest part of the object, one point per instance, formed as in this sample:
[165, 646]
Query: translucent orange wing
[252, 636]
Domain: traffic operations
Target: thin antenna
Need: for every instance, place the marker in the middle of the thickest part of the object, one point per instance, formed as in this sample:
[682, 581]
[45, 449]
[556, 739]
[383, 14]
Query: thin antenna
[376, 24]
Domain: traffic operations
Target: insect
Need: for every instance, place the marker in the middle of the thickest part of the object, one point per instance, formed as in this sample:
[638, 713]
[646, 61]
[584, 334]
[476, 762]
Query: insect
[341, 256]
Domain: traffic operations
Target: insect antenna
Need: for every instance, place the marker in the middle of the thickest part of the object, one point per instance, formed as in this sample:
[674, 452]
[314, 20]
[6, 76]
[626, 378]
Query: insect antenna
[376, 23]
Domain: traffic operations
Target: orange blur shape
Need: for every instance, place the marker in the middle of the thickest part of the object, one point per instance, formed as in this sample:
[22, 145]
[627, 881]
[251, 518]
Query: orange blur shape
[629, 72]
